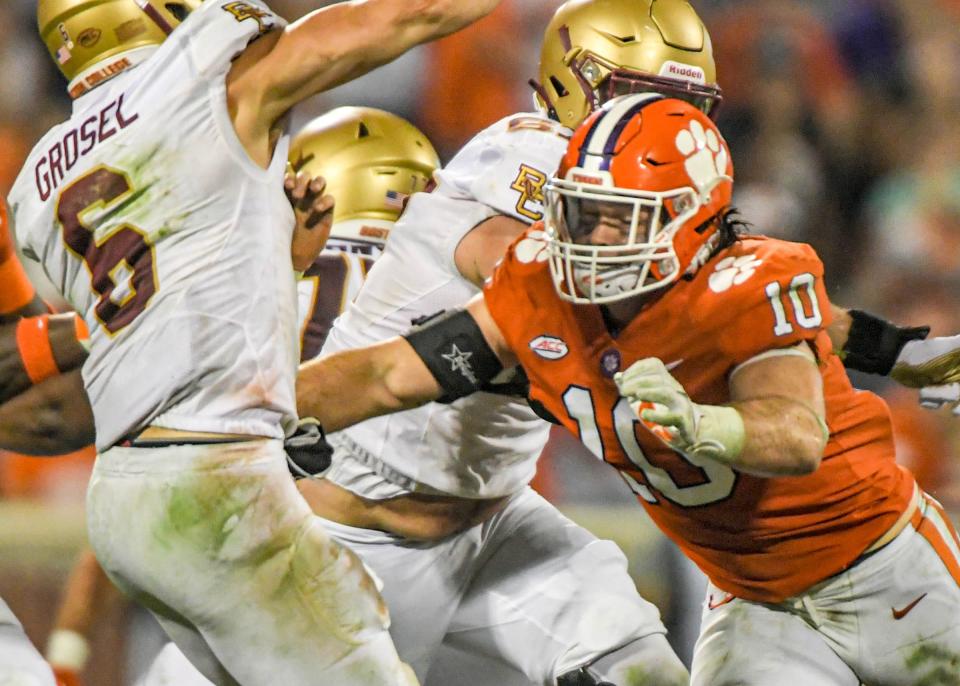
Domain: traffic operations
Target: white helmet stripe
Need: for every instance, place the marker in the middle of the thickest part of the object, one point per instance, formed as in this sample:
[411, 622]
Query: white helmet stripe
[608, 127]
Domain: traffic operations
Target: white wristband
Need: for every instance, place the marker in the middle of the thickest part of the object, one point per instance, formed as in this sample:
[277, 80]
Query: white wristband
[69, 649]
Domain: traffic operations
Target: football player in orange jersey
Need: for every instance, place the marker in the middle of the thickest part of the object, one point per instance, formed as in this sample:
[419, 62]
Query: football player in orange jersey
[695, 361]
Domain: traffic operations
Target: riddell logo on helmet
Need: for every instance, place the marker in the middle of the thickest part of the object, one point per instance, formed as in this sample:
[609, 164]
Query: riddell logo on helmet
[374, 232]
[683, 71]
[578, 177]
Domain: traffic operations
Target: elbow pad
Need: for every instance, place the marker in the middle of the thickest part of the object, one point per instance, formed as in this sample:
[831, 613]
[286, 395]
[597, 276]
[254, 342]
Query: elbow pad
[873, 344]
[452, 346]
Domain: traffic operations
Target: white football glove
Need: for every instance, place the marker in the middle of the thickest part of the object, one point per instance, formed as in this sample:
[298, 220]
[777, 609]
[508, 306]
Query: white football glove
[660, 401]
[933, 362]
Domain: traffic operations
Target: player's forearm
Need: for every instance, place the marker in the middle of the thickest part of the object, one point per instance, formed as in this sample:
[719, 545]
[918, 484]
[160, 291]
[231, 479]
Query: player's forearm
[87, 587]
[87, 598]
[33, 308]
[52, 418]
[347, 387]
[781, 437]
[36, 348]
[344, 41]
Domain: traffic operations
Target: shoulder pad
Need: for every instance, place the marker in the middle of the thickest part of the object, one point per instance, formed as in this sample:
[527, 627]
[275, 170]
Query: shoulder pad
[220, 30]
[507, 165]
[761, 294]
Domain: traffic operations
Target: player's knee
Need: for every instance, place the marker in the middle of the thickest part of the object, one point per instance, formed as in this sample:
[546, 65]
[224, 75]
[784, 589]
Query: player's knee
[648, 661]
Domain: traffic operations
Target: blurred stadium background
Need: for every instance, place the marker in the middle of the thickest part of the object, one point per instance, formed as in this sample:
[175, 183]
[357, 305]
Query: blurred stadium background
[842, 120]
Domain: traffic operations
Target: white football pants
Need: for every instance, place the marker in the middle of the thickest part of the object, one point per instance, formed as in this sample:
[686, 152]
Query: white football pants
[217, 542]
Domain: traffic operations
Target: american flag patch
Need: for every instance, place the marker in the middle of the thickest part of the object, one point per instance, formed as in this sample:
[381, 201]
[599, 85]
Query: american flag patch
[63, 54]
[395, 199]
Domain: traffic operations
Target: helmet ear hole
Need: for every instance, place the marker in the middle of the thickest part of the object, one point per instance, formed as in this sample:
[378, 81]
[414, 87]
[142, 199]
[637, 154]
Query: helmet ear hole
[178, 10]
[363, 131]
[558, 87]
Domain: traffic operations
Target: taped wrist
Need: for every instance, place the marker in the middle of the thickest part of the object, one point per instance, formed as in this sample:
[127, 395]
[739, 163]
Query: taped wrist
[36, 351]
[721, 433]
[68, 649]
[873, 344]
[456, 353]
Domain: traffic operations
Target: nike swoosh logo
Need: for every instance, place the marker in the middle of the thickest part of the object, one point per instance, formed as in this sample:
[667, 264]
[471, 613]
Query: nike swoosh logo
[674, 364]
[900, 614]
[713, 606]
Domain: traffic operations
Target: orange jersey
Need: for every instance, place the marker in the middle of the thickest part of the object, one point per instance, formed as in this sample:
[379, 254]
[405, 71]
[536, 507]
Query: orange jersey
[16, 291]
[762, 539]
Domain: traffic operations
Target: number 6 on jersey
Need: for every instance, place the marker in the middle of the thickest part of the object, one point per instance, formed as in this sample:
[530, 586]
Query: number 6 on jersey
[121, 266]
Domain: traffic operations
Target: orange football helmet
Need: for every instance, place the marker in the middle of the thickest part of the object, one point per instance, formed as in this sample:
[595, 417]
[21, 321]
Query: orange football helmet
[638, 199]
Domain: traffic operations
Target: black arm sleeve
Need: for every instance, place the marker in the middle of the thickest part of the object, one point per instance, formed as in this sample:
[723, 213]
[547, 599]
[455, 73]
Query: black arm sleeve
[456, 353]
[873, 343]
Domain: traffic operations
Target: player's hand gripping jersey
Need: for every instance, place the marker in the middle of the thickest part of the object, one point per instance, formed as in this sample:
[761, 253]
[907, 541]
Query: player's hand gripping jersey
[486, 445]
[143, 208]
[763, 539]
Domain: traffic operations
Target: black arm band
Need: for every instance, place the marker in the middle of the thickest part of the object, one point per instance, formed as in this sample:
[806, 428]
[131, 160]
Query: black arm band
[456, 353]
[873, 344]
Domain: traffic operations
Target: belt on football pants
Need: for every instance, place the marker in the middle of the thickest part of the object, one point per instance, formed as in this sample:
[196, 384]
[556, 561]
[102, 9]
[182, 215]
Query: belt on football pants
[160, 437]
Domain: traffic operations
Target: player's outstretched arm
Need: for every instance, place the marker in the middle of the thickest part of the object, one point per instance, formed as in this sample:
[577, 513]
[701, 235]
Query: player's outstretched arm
[51, 418]
[448, 357]
[773, 426]
[328, 47]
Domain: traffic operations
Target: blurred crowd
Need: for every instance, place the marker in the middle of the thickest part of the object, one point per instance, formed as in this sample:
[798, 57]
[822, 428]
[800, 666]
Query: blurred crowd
[838, 115]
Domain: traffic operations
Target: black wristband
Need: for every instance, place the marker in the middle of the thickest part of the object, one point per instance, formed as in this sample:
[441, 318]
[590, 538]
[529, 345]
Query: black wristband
[456, 353]
[873, 344]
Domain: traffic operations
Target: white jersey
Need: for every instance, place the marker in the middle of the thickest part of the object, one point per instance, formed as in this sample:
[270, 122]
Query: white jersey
[148, 215]
[485, 445]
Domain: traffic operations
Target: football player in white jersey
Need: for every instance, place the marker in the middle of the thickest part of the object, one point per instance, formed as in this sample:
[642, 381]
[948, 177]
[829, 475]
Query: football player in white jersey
[372, 162]
[158, 211]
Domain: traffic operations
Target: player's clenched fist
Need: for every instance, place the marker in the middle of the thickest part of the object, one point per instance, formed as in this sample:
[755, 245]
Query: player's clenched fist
[664, 406]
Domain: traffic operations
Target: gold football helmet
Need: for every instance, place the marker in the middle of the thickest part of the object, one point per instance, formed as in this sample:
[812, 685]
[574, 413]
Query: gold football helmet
[92, 40]
[594, 50]
[372, 161]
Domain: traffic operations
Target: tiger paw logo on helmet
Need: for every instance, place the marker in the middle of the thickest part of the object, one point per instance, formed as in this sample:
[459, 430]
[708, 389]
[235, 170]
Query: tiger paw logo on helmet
[733, 271]
[533, 248]
[706, 154]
